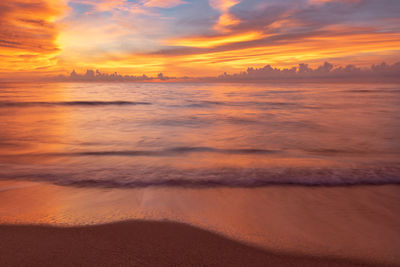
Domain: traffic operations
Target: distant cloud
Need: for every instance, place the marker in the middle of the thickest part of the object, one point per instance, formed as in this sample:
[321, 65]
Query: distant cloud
[97, 76]
[326, 71]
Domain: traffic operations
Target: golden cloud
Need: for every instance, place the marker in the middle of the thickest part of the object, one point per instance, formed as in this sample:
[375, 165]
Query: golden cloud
[28, 33]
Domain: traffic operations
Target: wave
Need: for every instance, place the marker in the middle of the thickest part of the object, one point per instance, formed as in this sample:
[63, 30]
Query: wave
[176, 151]
[375, 91]
[210, 183]
[166, 152]
[71, 103]
[140, 176]
[207, 103]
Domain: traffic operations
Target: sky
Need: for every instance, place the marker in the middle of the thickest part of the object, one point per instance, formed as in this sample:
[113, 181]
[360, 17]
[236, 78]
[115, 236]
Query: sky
[193, 37]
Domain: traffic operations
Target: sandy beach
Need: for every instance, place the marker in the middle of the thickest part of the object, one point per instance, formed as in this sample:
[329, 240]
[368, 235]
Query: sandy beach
[137, 243]
[277, 225]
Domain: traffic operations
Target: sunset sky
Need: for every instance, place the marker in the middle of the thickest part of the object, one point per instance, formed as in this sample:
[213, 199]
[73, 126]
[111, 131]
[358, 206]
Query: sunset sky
[193, 37]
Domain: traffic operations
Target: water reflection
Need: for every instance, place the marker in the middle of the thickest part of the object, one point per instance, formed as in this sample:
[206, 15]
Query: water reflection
[200, 134]
[354, 222]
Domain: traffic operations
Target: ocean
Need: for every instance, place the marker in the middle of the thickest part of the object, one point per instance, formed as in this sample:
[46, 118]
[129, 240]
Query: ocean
[200, 135]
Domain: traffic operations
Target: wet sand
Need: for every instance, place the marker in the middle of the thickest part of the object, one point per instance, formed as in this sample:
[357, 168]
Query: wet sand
[361, 223]
[137, 243]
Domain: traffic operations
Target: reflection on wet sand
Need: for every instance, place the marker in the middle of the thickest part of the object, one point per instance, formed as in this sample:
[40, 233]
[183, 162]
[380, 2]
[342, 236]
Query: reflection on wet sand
[356, 222]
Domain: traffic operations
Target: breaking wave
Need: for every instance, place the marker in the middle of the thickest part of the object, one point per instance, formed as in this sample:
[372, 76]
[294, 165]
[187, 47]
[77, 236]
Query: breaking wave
[139, 176]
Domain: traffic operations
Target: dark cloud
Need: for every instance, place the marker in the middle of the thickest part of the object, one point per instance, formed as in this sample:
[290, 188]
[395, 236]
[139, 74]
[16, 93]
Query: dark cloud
[310, 15]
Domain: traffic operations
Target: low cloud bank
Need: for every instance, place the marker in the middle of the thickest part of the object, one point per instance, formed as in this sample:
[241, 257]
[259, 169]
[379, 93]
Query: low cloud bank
[325, 72]
[97, 76]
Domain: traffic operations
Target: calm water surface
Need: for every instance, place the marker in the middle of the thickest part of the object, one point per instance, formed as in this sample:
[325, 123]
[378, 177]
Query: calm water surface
[133, 135]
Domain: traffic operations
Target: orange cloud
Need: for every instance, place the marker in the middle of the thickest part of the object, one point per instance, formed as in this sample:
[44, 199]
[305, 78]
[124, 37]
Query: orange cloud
[226, 19]
[133, 7]
[202, 57]
[223, 5]
[101, 5]
[213, 41]
[28, 34]
[230, 57]
[163, 3]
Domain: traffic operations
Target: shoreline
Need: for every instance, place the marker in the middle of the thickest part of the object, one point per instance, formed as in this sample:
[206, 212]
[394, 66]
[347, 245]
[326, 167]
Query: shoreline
[134, 243]
[361, 223]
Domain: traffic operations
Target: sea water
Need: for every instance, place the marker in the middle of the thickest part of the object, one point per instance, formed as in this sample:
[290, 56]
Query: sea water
[200, 135]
